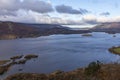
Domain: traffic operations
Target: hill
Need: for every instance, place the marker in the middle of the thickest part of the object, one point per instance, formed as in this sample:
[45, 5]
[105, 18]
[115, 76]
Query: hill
[13, 30]
[113, 27]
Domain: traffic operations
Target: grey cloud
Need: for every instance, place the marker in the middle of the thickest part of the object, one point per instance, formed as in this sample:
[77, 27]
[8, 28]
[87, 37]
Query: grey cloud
[67, 9]
[70, 10]
[36, 5]
[105, 14]
[84, 11]
[8, 6]
[5, 12]
[35, 17]
[90, 21]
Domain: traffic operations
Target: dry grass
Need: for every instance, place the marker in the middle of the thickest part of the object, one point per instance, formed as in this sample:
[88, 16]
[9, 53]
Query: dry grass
[107, 72]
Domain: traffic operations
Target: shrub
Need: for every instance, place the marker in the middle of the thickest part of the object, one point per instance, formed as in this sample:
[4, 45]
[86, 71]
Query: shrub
[93, 68]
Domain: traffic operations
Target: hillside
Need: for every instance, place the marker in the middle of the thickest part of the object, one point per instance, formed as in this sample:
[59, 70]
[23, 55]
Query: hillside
[13, 30]
[113, 27]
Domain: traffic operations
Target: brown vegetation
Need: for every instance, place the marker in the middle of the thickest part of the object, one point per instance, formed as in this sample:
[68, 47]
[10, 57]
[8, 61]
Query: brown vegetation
[97, 71]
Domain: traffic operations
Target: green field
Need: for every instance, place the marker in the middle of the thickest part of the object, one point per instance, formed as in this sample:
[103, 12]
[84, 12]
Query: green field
[115, 50]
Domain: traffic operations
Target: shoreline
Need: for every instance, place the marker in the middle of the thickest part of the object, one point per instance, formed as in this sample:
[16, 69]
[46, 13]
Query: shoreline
[105, 72]
[86, 33]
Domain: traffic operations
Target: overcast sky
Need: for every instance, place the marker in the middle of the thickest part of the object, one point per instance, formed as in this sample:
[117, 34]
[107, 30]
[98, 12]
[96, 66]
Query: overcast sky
[60, 11]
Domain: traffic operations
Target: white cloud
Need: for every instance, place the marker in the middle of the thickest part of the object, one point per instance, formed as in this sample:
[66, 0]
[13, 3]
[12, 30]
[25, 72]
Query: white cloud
[108, 19]
[37, 5]
[92, 19]
[37, 11]
[35, 17]
[34, 5]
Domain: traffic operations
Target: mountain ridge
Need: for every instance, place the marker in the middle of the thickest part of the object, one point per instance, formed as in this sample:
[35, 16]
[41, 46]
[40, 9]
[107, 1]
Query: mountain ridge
[111, 27]
[14, 30]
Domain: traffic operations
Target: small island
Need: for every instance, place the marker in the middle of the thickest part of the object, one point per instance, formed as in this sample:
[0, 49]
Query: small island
[115, 50]
[87, 34]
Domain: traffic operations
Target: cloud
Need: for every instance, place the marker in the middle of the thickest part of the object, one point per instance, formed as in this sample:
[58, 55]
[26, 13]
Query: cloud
[92, 19]
[37, 11]
[89, 19]
[21, 16]
[37, 5]
[84, 11]
[69, 10]
[35, 17]
[105, 14]
[8, 6]
[108, 19]
[5, 12]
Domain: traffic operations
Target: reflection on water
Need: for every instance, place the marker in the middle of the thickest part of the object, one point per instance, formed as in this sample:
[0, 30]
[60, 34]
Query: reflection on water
[60, 52]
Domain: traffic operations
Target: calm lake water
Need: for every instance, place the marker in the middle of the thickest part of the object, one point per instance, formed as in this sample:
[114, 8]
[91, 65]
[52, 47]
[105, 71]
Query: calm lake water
[60, 52]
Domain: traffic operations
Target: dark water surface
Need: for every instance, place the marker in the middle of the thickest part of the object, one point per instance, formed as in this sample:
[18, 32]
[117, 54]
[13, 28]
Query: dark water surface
[60, 52]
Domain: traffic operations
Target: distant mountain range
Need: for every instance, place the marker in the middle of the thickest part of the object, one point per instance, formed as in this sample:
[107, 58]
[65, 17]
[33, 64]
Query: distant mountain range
[13, 30]
[112, 27]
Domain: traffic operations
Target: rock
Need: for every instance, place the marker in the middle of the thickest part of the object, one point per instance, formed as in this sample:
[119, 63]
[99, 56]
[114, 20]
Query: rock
[2, 62]
[22, 61]
[30, 56]
[16, 57]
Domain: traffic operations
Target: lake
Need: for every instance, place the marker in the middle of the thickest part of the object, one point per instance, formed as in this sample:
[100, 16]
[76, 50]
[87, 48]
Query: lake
[60, 52]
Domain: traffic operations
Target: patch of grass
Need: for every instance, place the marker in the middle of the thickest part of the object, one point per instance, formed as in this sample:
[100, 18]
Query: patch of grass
[115, 50]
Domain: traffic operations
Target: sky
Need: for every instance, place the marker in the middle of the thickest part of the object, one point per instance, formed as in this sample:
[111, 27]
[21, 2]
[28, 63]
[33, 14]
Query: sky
[73, 12]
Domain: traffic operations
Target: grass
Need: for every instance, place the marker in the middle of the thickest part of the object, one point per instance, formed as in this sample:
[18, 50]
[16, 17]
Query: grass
[115, 50]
